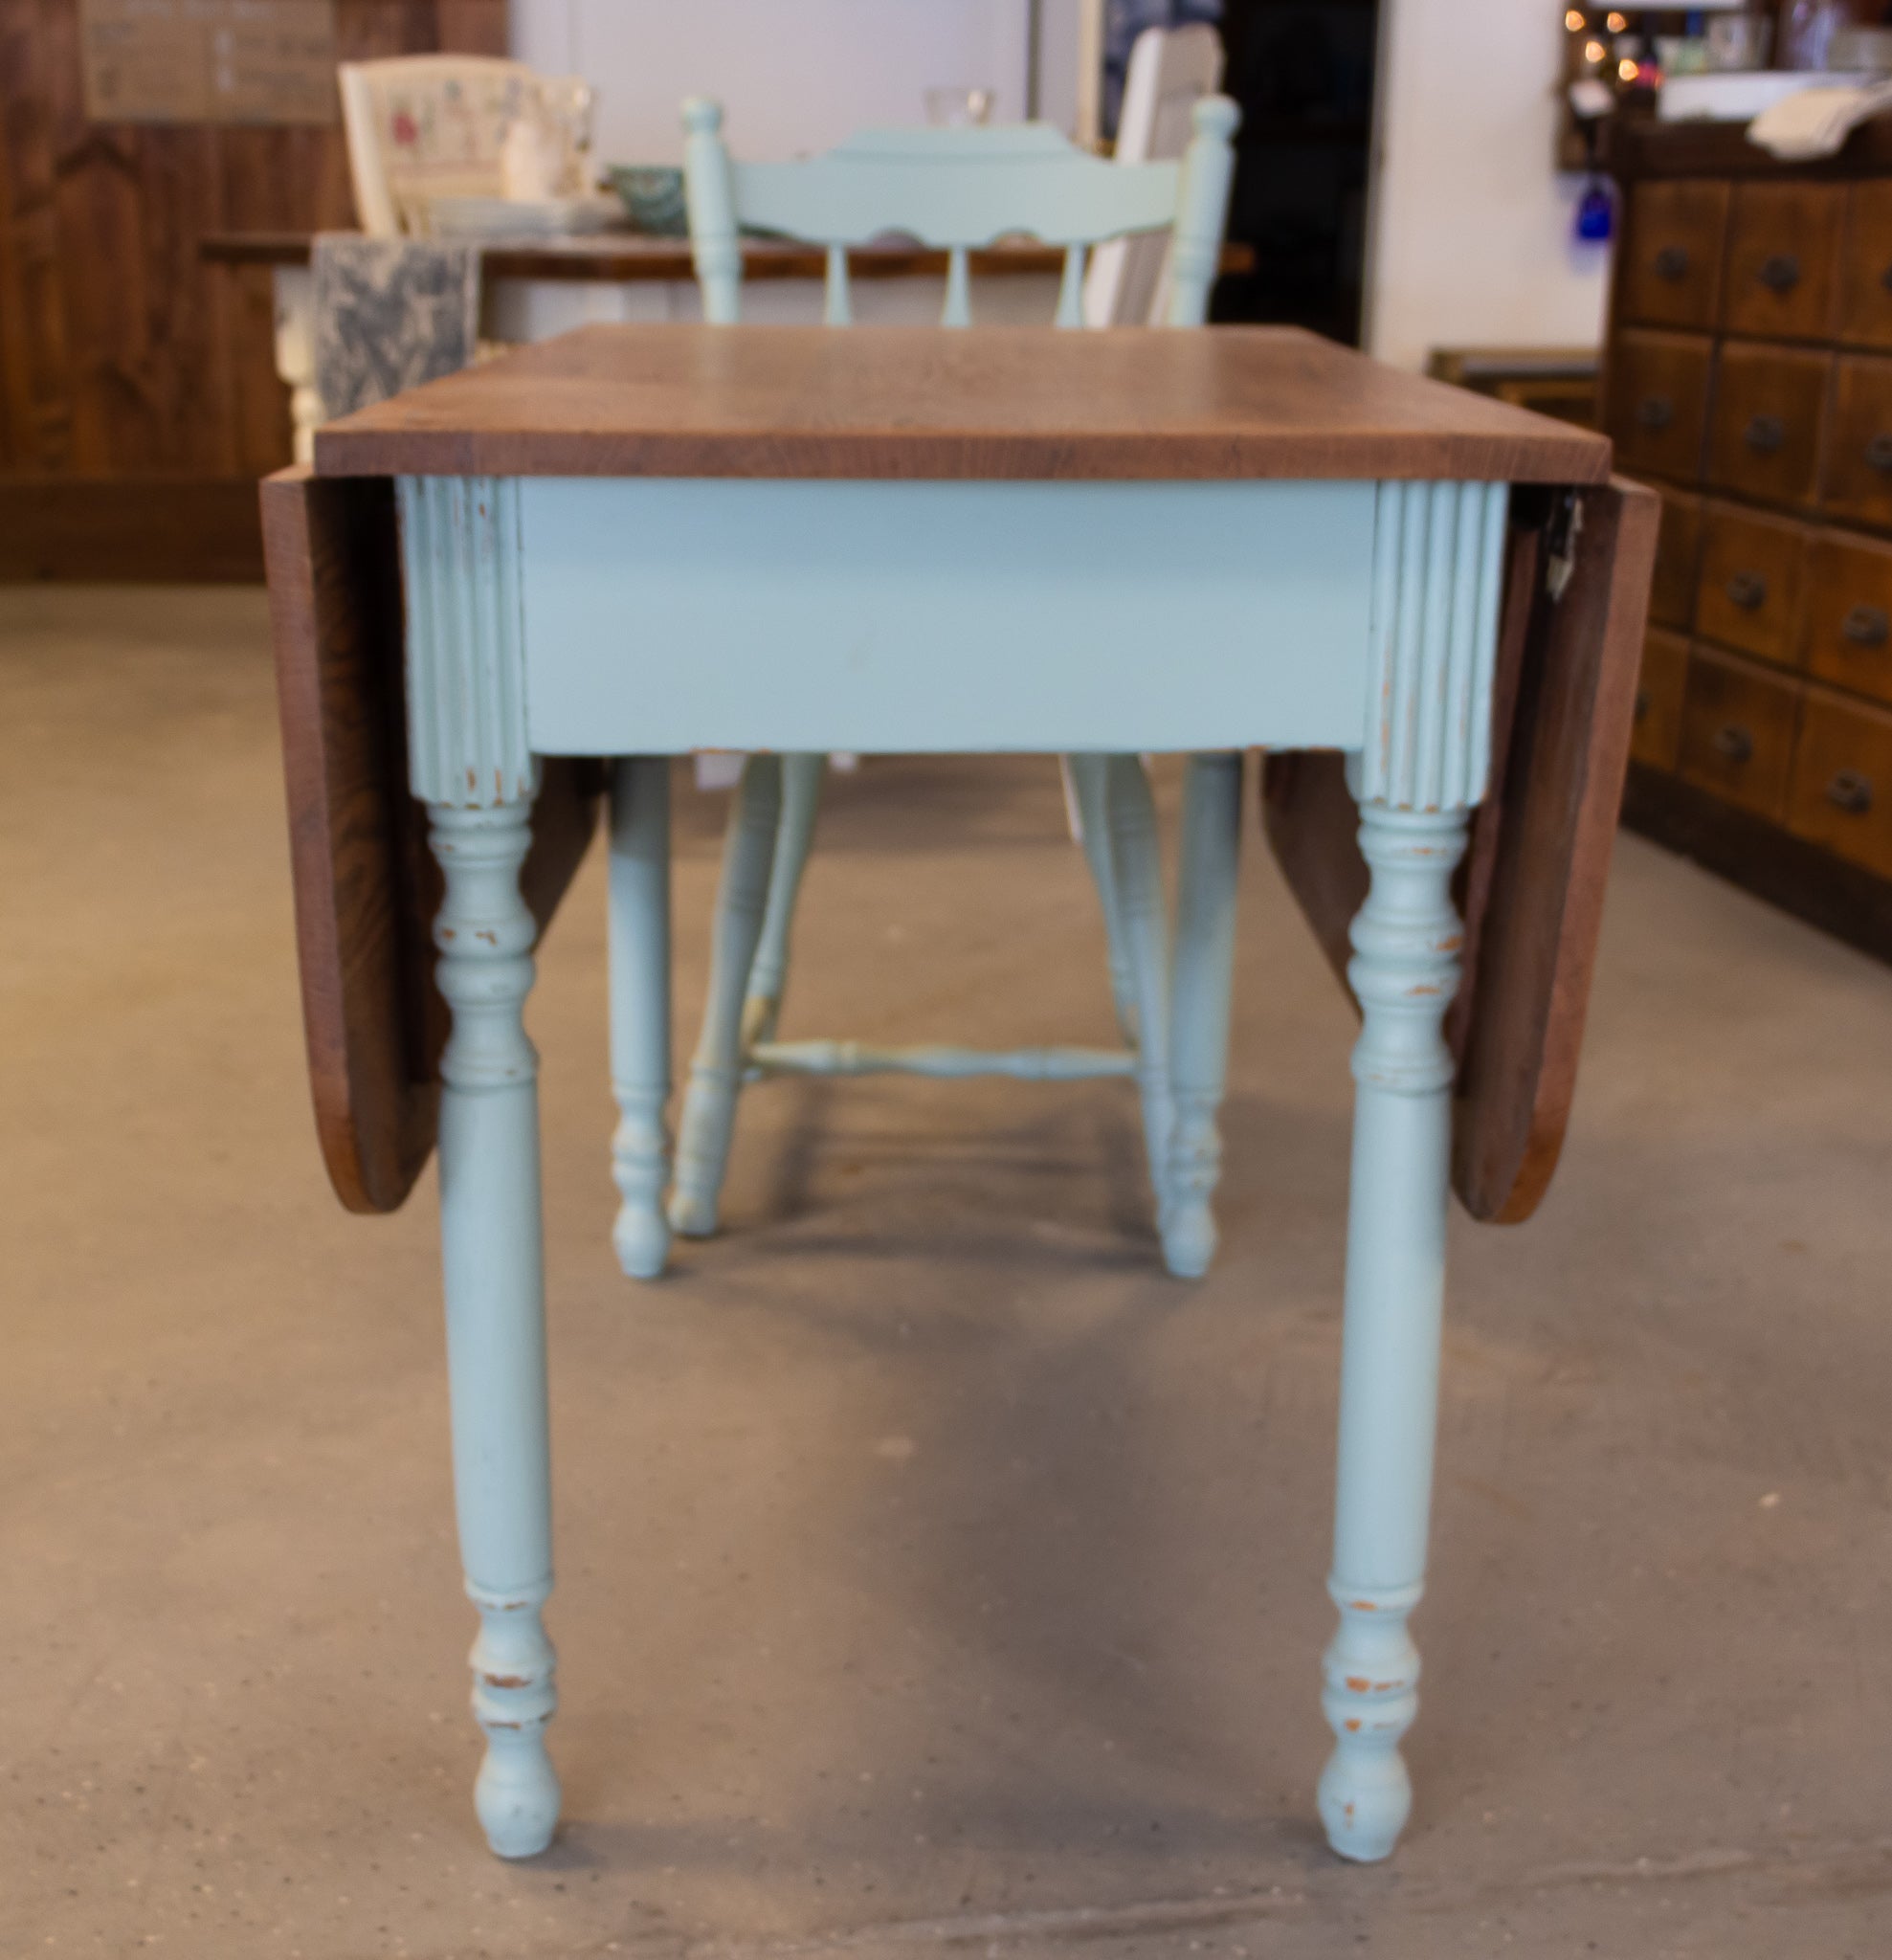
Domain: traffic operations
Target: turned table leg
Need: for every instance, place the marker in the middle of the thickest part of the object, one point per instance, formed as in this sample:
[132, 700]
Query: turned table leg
[794, 836]
[1137, 862]
[1405, 971]
[493, 1265]
[1199, 995]
[294, 293]
[716, 1073]
[1086, 777]
[640, 938]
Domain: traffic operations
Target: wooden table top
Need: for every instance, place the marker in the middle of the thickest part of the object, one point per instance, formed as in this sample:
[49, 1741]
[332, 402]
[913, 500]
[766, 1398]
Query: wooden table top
[1020, 403]
[625, 258]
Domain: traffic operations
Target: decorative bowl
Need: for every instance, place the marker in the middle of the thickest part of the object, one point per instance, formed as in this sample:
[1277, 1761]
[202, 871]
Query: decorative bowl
[652, 193]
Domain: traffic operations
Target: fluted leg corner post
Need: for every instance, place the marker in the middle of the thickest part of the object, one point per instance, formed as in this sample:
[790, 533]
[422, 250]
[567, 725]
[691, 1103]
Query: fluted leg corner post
[1199, 998]
[1405, 971]
[493, 1265]
[640, 1008]
[716, 1073]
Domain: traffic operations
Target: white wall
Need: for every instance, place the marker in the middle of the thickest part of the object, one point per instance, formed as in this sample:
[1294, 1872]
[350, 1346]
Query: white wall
[793, 75]
[1470, 240]
[1059, 36]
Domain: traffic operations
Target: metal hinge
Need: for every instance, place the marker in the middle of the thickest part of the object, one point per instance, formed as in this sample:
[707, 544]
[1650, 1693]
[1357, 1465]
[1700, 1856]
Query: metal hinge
[1560, 543]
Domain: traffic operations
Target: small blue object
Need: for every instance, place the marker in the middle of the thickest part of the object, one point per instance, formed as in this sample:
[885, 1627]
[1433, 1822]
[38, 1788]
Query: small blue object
[1595, 213]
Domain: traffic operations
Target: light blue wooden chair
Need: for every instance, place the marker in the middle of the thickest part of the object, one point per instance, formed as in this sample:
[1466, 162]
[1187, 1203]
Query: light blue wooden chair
[956, 189]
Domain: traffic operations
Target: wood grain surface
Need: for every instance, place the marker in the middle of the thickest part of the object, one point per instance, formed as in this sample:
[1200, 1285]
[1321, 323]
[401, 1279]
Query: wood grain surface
[1540, 850]
[366, 886]
[122, 352]
[992, 402]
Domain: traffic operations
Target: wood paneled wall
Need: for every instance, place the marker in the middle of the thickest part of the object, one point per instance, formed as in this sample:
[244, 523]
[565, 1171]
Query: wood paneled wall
[124, 360]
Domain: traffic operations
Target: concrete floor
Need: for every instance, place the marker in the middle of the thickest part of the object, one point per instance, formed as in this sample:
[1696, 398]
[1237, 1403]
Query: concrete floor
[934, 1573]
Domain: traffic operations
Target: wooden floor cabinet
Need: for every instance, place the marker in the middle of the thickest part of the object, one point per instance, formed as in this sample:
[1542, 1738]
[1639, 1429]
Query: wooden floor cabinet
[1748, 376]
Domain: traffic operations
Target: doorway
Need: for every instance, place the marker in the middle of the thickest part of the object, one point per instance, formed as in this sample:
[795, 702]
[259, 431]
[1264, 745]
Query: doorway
[1303, 71]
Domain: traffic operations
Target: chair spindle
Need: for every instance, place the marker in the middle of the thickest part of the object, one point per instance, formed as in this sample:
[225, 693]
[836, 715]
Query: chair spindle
[837, 297]
[958, 311]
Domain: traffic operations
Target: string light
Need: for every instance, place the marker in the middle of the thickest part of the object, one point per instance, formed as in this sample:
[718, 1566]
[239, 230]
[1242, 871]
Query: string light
[1574, 21]
[1627, 70]
[1615, 23]
[1594, 52]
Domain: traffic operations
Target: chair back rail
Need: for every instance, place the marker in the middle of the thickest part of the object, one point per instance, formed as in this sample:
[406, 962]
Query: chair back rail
[959, 190]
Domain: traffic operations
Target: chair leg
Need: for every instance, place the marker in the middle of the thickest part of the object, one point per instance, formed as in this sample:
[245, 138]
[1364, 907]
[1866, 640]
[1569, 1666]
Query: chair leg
[492, 1265]
[769, 976]
[1201, 984]
[1085, 774]
[1404, 972]
[716, 1075]
[639, 943]
[1136, 860]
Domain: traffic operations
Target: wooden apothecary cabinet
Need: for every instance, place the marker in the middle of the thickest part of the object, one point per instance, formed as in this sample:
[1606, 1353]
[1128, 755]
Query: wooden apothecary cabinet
[1747, 375]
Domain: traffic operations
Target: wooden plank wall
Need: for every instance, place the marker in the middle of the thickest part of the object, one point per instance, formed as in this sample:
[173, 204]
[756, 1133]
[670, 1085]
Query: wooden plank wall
[125, 363]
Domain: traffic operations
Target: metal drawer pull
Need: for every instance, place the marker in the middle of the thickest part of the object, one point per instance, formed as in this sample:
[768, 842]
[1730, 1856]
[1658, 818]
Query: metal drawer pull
[1749, 591]
[1655, 411]
[1878, 452]
[1885, 278]
[1672, 263]
[1780, 273]
[1850, 791]
[1734, 743]
[1865, 626]
[1643, 704]
[1763, 435]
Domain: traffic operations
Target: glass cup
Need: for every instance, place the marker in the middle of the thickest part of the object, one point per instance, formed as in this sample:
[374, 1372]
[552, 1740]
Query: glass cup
[954, 107]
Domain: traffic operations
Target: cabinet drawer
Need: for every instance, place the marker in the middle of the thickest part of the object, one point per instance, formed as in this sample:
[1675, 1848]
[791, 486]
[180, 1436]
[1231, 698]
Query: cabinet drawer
[1859, 445]
[1677, 551]
[1846, 633]
[1766, 430]
[1671, 268]
[1783, 254]
[1657, 734]
[1750, 590]
[1866, 266]
[1737, 732]
[1658, 403]
[1842, 795]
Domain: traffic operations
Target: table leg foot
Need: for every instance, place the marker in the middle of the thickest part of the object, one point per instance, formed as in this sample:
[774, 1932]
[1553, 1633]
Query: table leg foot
[516, 1793]
[1372, 1694]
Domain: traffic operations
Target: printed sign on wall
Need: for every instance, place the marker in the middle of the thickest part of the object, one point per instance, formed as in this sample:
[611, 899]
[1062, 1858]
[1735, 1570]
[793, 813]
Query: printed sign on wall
[209, 60]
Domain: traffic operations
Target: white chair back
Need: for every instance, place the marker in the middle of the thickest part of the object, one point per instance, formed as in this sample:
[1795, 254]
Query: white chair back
[1171, 69]
[422, 127]
[957, 189]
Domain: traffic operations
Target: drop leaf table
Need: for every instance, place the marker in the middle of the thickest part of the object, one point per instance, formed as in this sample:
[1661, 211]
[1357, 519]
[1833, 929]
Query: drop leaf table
[631, 542]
